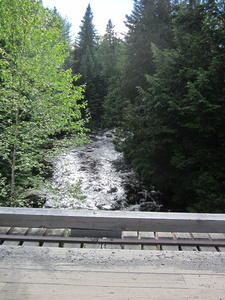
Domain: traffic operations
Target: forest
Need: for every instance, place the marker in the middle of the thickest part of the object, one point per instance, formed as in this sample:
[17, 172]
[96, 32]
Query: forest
[161, 85]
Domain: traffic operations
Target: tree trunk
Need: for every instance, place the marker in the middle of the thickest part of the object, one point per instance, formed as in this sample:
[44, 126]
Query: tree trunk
[14, 154]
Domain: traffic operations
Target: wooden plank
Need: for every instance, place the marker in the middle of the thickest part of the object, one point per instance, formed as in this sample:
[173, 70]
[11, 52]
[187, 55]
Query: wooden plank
[67, 233]
[52, 273]
[16, 231]
[51, 291]
[4, 230]
[147, 235]
[126, 241]
[130, 235]
[96, 233]
[185, 236]
[113, 220]
[112, 246]
[54, 233]
[166, 236]
[218, 237]
[93, 246]
[34, 232]
[203, 237]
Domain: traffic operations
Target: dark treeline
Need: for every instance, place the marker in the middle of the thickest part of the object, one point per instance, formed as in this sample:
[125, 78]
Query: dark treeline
[162, 85]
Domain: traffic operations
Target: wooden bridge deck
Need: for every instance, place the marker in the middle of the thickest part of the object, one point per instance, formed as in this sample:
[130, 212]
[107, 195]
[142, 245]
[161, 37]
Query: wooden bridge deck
[41, 259]
[47, 273]
[48, 237]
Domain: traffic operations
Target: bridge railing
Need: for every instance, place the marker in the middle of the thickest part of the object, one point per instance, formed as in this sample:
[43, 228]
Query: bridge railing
[89, 222]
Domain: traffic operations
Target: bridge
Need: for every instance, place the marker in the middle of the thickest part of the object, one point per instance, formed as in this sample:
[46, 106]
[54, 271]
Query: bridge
[51, 254]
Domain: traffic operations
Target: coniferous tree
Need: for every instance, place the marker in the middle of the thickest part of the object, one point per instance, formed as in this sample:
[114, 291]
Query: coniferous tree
[108, 52]
[85, 41]
[176, 139]
[150, 22]
[111, 54]
[86, 64]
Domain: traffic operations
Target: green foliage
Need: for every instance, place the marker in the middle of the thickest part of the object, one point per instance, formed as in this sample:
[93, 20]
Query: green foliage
[163, 85]
[111, 54]
[38, 99]
[68, 190]
[173, 130]
[86, 64]
[150, 22]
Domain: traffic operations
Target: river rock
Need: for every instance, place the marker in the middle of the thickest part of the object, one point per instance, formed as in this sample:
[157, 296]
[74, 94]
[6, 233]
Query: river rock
[90, 149]
[36, 198]
[112, 190]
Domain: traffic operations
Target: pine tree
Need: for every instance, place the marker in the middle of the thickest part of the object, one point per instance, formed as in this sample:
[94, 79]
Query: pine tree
[86, 64]
[111, 56]
[150, 22]
[176, 139]
[108, 52]
[86, 39]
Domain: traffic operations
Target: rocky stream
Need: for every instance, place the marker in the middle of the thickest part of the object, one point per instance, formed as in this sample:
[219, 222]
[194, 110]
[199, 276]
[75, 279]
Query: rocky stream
[96, 176]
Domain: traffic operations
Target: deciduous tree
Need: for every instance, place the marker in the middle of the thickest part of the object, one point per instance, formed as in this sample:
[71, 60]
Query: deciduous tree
[38, 99]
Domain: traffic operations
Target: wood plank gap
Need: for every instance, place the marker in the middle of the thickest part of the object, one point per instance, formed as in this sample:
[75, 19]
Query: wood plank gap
[5, 232]
[193, 238]
[212, 239]
[158, 247]
[26, 233]
[175, 238]
[44, 234]
[64, 234]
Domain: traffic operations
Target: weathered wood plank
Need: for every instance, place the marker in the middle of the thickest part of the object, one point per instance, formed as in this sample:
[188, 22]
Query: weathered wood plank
[113, 220]
[67, 233]
[185, 236]
[92, 246]
[17, 291]
[166, 236]
[147, 235]
[54, 233]
[203, 237]
[16, 231]
[34, 232]
[130, 235]
[218, 237]
[96, 233]
[112, 246]
[4, 230]
[100, 241]
[52, 273]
